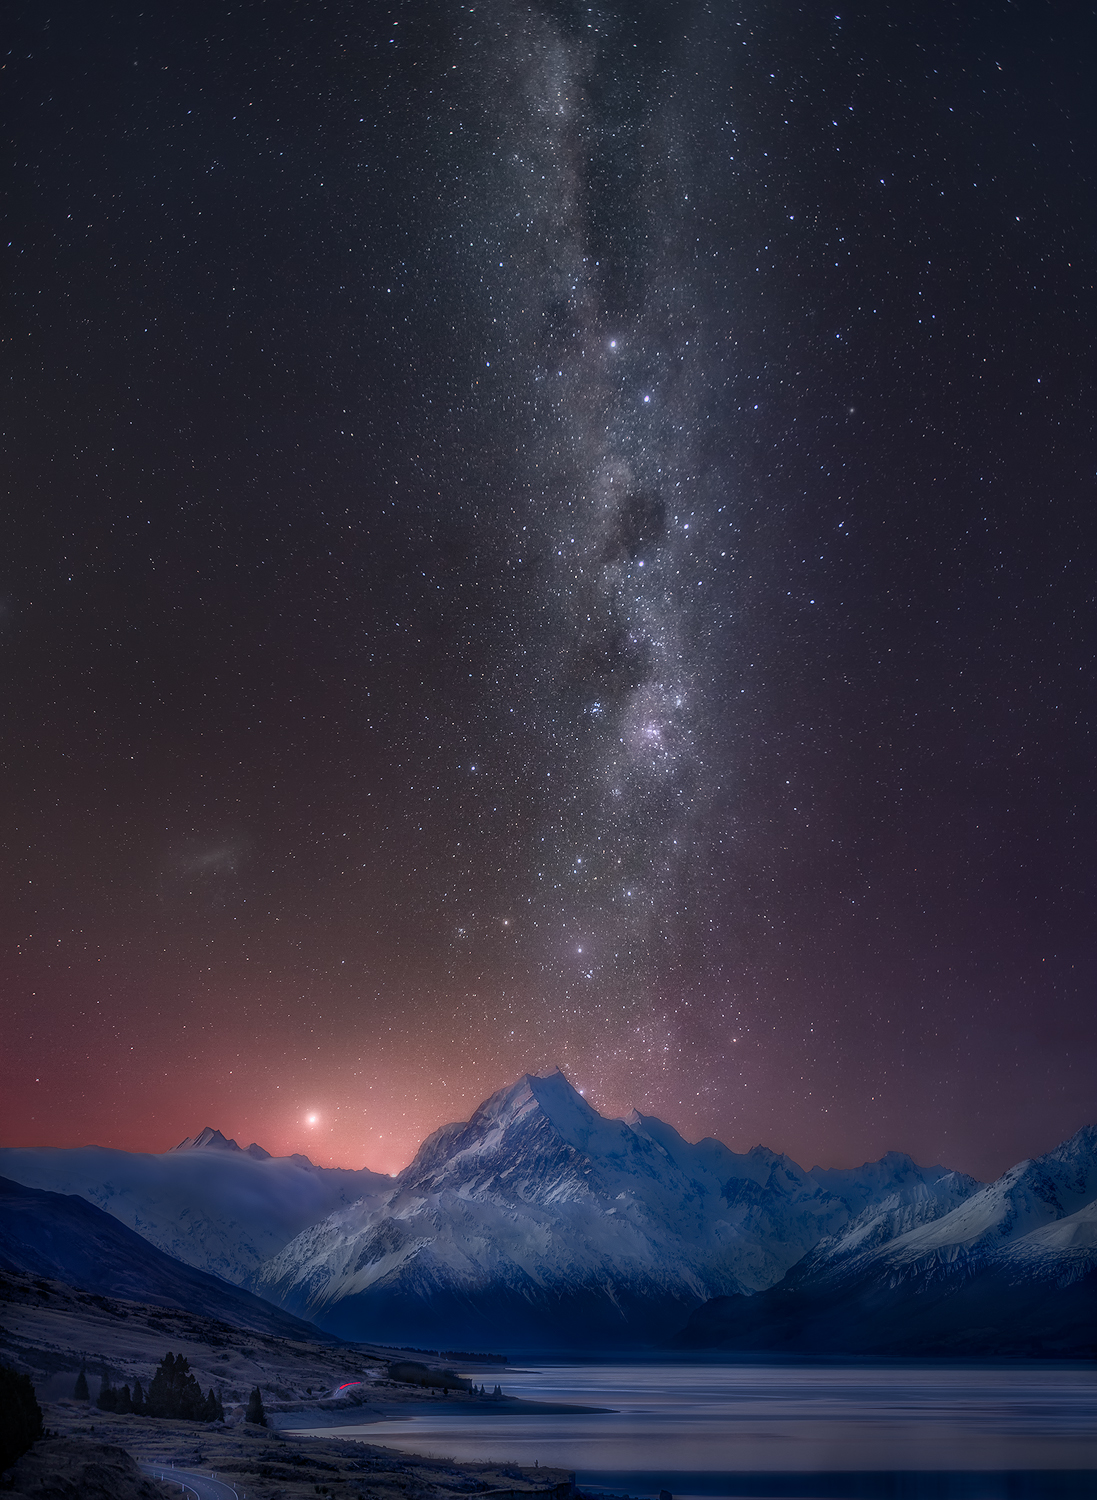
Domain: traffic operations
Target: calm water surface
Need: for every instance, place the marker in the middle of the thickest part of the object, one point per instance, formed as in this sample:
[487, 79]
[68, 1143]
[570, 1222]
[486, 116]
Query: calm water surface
[702, 1429]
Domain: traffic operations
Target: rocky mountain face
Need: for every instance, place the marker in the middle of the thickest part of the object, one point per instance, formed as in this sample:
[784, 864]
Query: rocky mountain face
[1010, 1269]
[540, 1224]
[207, 1202]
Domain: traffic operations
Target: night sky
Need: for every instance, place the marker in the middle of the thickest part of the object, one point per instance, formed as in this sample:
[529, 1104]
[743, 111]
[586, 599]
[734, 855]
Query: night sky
[540, 534]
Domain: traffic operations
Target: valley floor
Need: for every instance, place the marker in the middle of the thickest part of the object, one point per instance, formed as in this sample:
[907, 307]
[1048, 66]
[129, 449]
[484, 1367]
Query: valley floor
[51, 1330]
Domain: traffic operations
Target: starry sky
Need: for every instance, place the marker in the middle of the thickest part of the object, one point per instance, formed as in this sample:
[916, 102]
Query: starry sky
[541, 534]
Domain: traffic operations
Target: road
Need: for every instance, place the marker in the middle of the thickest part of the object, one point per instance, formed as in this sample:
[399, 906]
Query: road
[200, 1486]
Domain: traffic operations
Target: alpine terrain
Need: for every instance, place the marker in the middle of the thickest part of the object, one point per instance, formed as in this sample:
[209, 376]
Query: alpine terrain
[538, 1223]
[1010, 1270]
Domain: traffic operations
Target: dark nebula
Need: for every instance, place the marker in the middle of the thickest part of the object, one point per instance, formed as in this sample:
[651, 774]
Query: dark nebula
[543, 534]
[636, 529]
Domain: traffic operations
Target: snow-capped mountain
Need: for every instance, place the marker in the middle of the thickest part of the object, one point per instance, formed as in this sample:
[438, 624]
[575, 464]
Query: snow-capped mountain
[538, 1223]
[1012, 1268]
[206, 1202]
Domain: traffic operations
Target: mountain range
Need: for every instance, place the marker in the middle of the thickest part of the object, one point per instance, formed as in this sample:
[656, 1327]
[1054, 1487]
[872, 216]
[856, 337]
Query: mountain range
[538, 1224]
[1012, 1270]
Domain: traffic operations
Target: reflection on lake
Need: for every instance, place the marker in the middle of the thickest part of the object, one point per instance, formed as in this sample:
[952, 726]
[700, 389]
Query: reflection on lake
[702, 1429]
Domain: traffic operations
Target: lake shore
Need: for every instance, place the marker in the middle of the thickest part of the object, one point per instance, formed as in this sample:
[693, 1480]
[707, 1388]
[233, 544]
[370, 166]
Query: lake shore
[325, 1416]
[687, 1429]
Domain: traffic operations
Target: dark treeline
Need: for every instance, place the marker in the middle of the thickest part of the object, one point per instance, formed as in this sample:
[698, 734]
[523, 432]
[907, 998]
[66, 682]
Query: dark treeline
[173, 1392]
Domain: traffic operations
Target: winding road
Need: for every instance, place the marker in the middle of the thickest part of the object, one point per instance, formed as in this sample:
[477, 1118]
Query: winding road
[202, 1486]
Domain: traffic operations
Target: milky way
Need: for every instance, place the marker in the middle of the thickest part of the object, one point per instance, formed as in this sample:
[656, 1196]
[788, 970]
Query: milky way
[611, 518]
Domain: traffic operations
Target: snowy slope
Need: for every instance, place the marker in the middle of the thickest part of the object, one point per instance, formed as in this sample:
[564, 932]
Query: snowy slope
[1012, 1268]
[1074, 1235]
[540, 1223]
[1030, 1195]
[909, 1206]
[207, 1203]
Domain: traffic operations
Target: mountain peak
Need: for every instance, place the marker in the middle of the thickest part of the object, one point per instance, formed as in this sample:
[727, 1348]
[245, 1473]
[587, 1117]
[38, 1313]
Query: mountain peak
[533, 1104]
[207, 1140]
[212, 1140]
[552, 1093]
[1082, 1145]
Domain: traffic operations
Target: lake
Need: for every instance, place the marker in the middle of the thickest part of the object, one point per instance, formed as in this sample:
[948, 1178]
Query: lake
[840, 1431]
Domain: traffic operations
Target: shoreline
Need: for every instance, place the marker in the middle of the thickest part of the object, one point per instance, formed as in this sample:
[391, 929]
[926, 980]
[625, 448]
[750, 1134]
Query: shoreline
[301, 1420]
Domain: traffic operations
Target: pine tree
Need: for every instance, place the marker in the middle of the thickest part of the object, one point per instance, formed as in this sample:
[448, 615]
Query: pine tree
[212, 1410]
[20, 1416]
[80, 1391]
[255, 1412]
[160, 1399]
[108, 1396]
[173, 1391]
[138, 1399]
[123, 1403]
[191, 1400]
